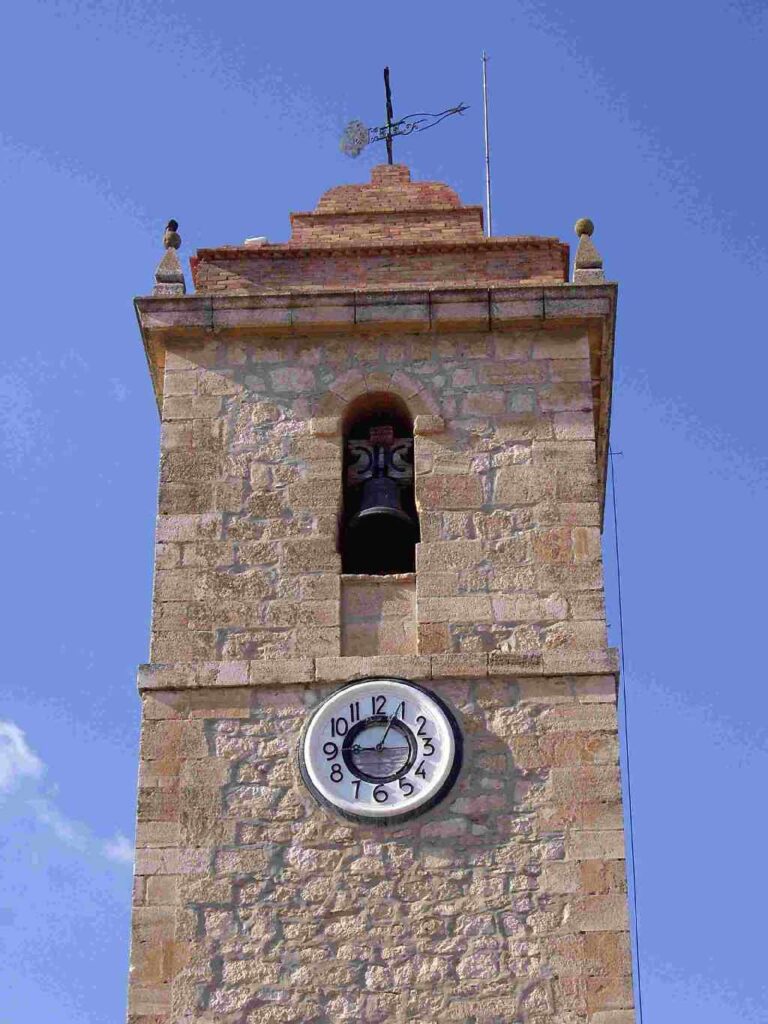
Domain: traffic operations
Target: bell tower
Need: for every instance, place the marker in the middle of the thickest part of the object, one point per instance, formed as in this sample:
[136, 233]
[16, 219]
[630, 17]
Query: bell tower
[379, 759]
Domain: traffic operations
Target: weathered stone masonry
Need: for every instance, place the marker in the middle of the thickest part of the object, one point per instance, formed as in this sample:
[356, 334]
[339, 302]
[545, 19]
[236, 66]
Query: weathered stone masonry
[506, 902]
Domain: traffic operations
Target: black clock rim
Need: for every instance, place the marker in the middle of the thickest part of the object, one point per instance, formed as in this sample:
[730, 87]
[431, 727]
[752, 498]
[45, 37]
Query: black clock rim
[396, 819]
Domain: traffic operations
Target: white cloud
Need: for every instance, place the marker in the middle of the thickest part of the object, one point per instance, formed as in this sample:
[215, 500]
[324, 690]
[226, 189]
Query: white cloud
[21, 775]
[17, 760]
[119, 848]
[71, 833]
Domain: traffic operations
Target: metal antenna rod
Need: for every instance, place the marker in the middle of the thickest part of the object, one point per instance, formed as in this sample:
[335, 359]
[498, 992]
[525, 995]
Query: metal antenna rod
[390, 115]
[488, 215]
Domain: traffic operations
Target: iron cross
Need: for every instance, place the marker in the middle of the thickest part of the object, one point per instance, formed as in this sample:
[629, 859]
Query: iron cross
[357, 136]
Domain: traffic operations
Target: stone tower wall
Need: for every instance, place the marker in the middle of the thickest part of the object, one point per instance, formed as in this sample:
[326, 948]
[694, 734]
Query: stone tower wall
[506, 487]
[505, 903]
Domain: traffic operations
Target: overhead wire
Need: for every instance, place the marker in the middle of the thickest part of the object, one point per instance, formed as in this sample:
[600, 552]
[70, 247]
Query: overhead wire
[625, 718]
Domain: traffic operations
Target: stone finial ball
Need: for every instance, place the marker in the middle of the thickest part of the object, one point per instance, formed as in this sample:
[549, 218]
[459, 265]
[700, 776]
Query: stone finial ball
[583, 226]
[171, 238]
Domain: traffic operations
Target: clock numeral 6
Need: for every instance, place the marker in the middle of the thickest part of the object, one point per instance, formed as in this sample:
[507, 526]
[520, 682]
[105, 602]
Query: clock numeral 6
[380, 794]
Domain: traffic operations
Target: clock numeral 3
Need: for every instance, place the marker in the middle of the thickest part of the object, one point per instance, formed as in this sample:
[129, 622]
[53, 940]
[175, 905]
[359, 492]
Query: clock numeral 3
[429, 747]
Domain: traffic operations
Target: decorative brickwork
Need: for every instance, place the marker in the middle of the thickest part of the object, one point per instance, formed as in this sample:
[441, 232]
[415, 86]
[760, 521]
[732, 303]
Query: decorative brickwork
[506, 902]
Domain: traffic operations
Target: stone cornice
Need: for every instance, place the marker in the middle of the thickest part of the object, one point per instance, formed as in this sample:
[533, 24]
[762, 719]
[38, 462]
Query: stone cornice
[354, 249]
[418, 667]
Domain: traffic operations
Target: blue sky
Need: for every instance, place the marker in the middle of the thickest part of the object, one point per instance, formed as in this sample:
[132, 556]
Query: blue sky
[649, 119]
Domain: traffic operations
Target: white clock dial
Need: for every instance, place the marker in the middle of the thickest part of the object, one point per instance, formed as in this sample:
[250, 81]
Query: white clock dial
[380, 750]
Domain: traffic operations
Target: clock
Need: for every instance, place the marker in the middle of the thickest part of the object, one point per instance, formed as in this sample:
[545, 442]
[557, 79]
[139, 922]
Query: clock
[380, 751]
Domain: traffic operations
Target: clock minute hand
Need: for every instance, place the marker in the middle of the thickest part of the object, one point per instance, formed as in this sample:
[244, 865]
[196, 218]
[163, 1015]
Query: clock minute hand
[380, 744]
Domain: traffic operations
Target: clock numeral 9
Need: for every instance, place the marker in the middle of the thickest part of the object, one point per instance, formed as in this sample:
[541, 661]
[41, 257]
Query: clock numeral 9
[330, 750]
[336, 773]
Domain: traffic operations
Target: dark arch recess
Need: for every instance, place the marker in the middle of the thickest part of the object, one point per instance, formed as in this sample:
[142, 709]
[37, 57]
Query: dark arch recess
[382, 544]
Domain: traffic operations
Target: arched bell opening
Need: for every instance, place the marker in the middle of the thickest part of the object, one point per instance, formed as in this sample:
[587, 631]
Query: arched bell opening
[379, 525]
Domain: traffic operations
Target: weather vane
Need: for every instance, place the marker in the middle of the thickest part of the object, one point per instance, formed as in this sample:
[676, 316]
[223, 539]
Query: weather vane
[357, 136]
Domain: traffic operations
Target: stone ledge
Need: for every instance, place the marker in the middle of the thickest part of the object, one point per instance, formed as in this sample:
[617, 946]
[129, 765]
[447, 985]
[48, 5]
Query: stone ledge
[324, 670]
[436, 310]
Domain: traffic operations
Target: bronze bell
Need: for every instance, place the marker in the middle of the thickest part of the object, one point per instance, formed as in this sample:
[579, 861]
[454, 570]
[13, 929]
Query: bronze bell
[380, 535]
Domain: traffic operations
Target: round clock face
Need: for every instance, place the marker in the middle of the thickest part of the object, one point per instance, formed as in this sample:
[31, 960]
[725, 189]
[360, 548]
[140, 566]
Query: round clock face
[380, 750]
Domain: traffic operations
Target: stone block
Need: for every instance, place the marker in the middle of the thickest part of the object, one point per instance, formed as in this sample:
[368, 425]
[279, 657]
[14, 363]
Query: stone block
[522, 485]
[282, 671]
[474, 608]
[561, 344]
[311, 554]
[457, 666]
[614, 993]
[426, 424]
[433, 637]
[344, 669]
[613, 1017]
[441, 556]
[574, 426]
[600, 845]
[583, 783]
[599, 913]
[450, 492]
[325, 426]
[573, 396]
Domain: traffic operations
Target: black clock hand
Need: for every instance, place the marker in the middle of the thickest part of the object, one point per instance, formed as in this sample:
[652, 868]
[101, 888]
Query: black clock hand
[380, 744]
